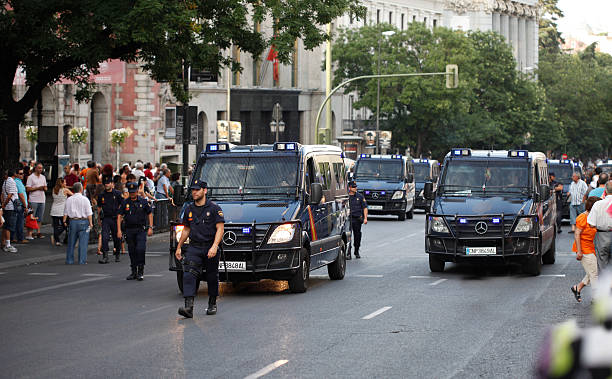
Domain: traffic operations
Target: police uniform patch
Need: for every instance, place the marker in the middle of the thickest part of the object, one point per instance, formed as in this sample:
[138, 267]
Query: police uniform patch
[103, 200]
[207, 214]
[127, 207]
[220, 213]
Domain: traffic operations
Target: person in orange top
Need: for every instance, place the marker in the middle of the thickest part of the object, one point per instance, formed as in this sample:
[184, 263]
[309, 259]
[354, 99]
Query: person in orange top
[585, 248]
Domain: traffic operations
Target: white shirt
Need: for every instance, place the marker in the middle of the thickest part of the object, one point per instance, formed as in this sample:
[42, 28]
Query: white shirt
[577, 191]
[34, 181]
[594, 183]
[78, 206]
[599, 217]
[9, 187]
[137, 173]
[59, 203]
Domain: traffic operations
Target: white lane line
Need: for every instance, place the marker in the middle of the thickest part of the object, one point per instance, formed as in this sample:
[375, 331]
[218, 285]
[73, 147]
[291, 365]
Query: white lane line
[43, 289]
[157, 252]
[268, 369]
[96, 275]
[553, 275]
[369, 276]
[154, 275]
[385, 244]
[153, 255]
[422, 277]
[43, 273]
[319, 276]
[2, 273]
[376, 313]
[438, 282]
[409, 236]
[155, 309]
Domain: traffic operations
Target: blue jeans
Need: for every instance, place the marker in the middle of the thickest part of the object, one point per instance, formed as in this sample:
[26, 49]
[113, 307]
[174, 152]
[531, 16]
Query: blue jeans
[575, 210]
[38, 210]
[77, 230]
[19, 225]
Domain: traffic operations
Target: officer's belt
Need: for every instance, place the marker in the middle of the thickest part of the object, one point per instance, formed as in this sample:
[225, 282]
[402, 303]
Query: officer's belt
[200, 244]
[113, 217]
[135, 227]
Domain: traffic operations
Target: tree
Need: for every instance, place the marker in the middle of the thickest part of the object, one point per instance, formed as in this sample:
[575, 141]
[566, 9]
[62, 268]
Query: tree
[56, 39]
[549, 35]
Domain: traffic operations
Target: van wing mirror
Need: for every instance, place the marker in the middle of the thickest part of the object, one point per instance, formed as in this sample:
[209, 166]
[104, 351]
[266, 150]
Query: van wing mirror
[544, 192]
[316, 193]
[428, 192]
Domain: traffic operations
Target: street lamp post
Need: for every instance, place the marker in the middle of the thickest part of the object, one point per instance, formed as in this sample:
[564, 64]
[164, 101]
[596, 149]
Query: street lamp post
[277, 125]
[386, 34]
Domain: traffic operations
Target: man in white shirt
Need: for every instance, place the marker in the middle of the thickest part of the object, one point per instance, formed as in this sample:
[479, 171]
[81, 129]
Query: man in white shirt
[577, 190]
[78, 209]
[600, 218]
[9, 194]
[138, 170]
[36, 187]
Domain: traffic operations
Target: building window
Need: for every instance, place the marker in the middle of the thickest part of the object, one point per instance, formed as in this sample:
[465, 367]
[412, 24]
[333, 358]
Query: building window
[294, 65]
[256, 62]
[170, 123]
[390, 17]
[413, 18]
[377, 16]
[425, 21]
[402, 25]
[435, 23]
[236, 58]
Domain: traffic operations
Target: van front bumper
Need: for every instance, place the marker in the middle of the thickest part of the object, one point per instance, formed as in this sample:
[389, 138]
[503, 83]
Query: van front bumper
[386, 207]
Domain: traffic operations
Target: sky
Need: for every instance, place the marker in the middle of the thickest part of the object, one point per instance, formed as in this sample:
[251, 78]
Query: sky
[582, 13]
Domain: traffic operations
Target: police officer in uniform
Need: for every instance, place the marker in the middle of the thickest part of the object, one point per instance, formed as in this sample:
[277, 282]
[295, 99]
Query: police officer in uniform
[109, 203]
[203, 225]
[359, 215]
[557, 187]
[135, 210]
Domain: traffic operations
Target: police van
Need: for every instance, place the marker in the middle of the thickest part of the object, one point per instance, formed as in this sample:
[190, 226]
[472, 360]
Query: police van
[286, 210]
[425, 171]
[563, 170]
[606, 167]
[491, 207]
[387, 183]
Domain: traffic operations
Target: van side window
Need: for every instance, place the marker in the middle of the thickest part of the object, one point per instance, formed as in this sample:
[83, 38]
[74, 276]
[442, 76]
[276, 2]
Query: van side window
[324, 175]
[340, 175]
[309, 175]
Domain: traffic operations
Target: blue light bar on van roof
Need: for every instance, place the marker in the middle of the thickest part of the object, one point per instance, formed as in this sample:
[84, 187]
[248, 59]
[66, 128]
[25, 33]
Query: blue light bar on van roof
[565, 161]
[576, 164]
[518, 153]
[285, 146]
[217, 147]
[396, 156]
[365, 156]
[461, 152]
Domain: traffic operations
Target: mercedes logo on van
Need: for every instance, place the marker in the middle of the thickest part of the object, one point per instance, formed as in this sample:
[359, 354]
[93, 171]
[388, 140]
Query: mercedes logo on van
[375, 195]
[229, 238]
[481, 227]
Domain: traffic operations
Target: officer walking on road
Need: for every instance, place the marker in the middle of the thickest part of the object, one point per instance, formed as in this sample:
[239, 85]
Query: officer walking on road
[359, 215]
[109, 203]
[134, 210]
[203, 225]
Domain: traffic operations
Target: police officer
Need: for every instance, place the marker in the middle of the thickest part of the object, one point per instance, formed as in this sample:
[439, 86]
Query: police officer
[359, 215]
[203, 225]
[109, 203]
[134, 210]
[557, 187]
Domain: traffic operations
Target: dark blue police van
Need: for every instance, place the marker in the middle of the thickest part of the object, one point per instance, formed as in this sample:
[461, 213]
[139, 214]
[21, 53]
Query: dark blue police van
[286, 211]
[491, 207]
[387, 182]
[563, 170]
[425, 171]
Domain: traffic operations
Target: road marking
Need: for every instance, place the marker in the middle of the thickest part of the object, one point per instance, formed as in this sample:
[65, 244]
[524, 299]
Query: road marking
[43, 273]
[153, 255]
[155, 309]
[43, 289]
[554, 275]
[423, 277]
[438, 282]
[268, 369]
[2, 273]
[96, 275]
[408, 236]
[385, 244]
[154, 275]
[369, 276]
[376, 313]
[319, 276]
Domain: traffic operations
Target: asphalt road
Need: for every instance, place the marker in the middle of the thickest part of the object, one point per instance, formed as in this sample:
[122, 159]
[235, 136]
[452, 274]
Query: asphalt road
[389, 317]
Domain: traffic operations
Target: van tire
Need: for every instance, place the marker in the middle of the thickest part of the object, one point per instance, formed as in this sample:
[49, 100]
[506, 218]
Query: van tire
[435, 264]
[401, 216]
[550, 256]
[533, 266]
[299, 282]
[337, 268]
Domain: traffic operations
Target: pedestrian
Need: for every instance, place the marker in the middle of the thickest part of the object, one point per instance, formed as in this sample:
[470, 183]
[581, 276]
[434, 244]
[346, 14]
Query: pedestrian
[576, 193]
[359, 216]
[585, 249]
[164, 189]
[36, 186]
[600, 218]
[557, 188]
[21, 207]
[78, 210]
[601, 188]
[147, 170]
[109, 203]
[144, 190]
[138, 170]
[8, 199]
[135, 210]
[107, 170]
[203, 224]
[31, 224]
[60, 195]
[124, 172]
[91, 177]
[72, 176]
[595, 177]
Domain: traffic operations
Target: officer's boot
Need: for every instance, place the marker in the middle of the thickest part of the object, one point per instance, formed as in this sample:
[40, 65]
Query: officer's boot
[133, 275]
[140, 275]
[104, 258]
[212, 306]
[357, 253]
[116, 254]
[187, 310]
[348, 254]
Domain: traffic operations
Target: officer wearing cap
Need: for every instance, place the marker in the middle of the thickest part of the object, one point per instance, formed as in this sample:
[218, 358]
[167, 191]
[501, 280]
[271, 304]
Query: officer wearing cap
[359, 215]
[203, 225]
[135, 210]
[109, 203]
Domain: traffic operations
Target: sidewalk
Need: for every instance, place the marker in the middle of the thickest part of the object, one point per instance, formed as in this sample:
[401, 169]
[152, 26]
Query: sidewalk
[41, 250]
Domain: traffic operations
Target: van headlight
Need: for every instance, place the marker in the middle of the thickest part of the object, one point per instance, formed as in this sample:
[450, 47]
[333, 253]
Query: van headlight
[524, 225]
[397, 195]
[282, 234]
[438, 225]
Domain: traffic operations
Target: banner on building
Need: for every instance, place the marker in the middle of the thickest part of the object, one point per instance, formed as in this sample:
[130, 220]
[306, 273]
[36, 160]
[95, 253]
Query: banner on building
[229, 132]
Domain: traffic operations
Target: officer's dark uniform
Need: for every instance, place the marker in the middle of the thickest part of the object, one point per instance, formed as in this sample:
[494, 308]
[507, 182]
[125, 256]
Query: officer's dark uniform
[357, 204]
[110, 202]
[135, 214]
[559, 201]
[202, 222]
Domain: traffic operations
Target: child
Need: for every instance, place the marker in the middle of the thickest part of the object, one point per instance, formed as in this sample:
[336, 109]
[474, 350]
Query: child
[31, 224]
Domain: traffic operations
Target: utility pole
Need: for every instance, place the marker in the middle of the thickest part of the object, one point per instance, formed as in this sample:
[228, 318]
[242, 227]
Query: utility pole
[378, 103]
[186, 123]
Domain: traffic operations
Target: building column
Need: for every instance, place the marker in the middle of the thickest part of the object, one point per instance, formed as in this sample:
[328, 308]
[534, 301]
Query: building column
[514, 36]
[531, 46]
[496, 22]
[522, 44]
[504, 24]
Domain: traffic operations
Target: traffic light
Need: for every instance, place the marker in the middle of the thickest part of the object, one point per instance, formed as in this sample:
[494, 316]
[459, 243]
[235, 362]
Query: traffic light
[452, 76]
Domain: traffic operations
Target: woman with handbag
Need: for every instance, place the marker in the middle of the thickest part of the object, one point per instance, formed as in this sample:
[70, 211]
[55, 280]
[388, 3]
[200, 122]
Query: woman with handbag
[60, 194]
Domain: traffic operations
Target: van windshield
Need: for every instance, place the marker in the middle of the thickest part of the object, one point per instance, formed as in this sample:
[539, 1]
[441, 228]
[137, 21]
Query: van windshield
[421, 172]
[249, 176]
[563, 172]
[386, 169]
[469, 178]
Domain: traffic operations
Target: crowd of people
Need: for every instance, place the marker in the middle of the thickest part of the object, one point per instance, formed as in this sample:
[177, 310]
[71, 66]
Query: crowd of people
[24, 198]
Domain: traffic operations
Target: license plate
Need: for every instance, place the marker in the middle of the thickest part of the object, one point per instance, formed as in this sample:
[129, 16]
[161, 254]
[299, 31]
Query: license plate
[232, 266]
[375, 207]
[480, 250]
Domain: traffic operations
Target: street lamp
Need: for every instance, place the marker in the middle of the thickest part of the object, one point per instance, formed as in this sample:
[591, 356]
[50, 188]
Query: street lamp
[388, 33]
[277, 125]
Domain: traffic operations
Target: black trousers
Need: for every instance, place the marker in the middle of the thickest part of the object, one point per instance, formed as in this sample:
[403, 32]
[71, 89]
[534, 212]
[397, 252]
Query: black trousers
[59, 228]
[195, 259]
[137, 245]
[109, 230]
[356, 227]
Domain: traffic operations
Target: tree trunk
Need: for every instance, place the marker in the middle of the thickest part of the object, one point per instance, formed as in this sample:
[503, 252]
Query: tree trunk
[9, 143]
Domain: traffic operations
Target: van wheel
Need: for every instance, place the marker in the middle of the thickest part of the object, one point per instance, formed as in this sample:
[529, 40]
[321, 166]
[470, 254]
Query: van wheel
[337, 268]
[410, 214]
[550, 256]
[533, 266]
[299, 282]
[401, 216]
[435, 264]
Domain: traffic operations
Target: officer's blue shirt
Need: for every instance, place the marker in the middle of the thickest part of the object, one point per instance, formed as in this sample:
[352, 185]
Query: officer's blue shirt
[110, 202]
[357, 203]
[135, 212]
[203, 221]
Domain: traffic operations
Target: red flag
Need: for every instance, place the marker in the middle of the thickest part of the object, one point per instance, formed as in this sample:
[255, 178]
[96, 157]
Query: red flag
[273, 57]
